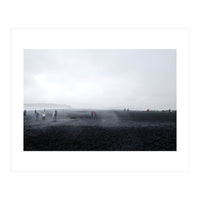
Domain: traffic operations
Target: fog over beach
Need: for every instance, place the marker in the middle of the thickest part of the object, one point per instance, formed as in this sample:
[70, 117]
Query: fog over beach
[100, 100]
[137, 79]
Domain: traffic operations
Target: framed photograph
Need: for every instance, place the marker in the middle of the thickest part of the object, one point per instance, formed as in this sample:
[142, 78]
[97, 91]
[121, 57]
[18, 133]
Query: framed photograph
[100, 100]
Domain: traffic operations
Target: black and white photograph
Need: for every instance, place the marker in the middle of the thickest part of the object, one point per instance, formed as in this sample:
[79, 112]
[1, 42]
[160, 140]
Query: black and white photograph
[99, 100]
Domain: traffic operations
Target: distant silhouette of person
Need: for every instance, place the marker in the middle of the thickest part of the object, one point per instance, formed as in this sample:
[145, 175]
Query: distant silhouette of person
[24, 112]
[95, 114]
[128, 109]
[55, 115]
[36, 115]
[148, 110]
[43, 115]
[92, 114]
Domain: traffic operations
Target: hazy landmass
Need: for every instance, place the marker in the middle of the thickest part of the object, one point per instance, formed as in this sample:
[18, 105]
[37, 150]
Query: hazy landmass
[41, 106]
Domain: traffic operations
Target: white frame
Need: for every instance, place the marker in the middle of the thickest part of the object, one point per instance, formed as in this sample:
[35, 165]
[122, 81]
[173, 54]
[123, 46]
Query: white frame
[100, 39]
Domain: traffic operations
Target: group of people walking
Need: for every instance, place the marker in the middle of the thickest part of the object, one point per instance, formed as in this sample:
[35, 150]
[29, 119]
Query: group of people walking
[54, 115]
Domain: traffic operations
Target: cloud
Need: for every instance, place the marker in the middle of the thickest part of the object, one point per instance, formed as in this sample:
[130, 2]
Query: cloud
[101, 78]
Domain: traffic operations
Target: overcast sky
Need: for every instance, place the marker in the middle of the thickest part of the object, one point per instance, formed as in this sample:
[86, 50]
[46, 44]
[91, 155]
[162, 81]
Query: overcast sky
[135, 79]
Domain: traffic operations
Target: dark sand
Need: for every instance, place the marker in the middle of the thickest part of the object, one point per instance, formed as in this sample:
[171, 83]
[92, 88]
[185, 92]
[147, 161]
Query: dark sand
[109, 131]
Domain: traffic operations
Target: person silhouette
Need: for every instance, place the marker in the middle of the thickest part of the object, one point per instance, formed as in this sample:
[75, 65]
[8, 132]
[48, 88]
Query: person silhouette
[36, 116]
[55, 115]
[24, 112]
[43, 115]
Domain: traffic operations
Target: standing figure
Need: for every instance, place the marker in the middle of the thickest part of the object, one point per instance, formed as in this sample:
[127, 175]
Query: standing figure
[24, 113]
[92, 114]
[95, 114]
[43, 115]
[36, 115]
[55, 115]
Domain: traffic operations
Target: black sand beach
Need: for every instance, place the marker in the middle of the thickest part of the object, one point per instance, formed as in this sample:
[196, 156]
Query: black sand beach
[76, 130]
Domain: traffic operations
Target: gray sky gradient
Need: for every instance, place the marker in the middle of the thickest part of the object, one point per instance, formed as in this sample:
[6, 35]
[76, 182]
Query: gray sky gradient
[135, 79]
